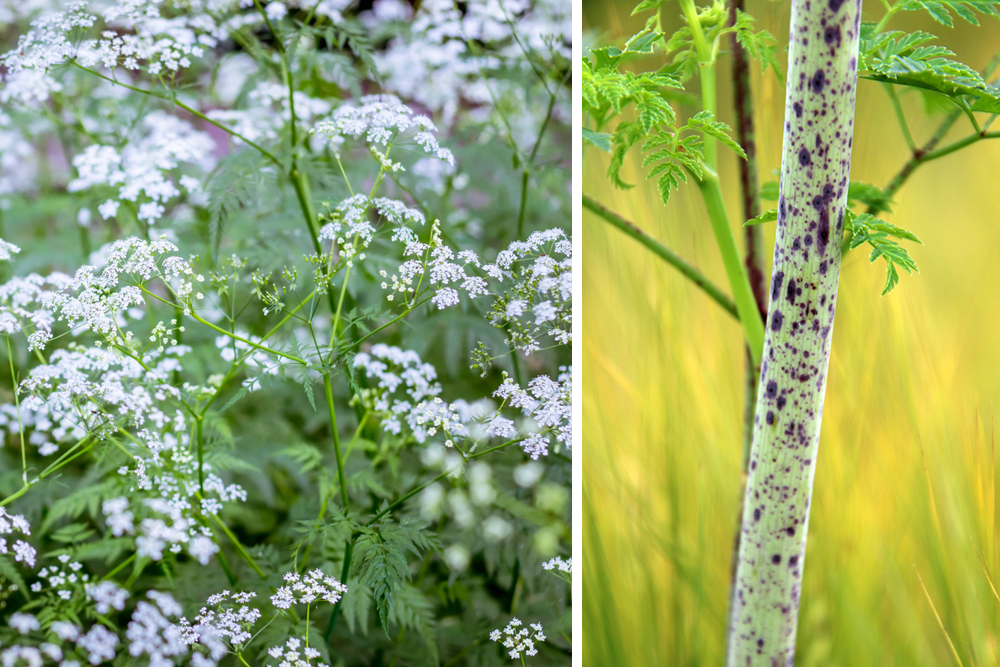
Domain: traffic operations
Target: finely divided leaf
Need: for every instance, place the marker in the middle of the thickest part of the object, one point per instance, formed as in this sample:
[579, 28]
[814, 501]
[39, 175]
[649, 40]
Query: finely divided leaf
[705, 121]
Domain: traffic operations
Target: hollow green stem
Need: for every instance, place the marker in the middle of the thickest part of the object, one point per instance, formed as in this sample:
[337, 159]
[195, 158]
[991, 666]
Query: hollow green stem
[706, 72]
[746, 304]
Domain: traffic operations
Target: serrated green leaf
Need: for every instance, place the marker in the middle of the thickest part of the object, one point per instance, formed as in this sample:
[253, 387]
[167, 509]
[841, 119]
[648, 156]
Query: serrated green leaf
[705, 121]
[646, 5]
[600, 139]
[766, 216]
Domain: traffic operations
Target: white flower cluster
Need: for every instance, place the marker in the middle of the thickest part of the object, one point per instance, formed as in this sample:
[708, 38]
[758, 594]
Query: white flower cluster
[25, 303]
[558, 563]
[94, 301]
[229, 622]
[98, 644]
[290, 654]
[64, 579]
[431, 63]
[549, 403]
[351, 231]
[7, 251]
[442, 266]
[18, 163]
[541, 299]
[152, 633]
[395, 368]
[46, 428]
[382, 120]
[48, 42]
[22, 551]
[518, 641]
[134, 32]
[141, 169]
[107, 596]
[308, 588]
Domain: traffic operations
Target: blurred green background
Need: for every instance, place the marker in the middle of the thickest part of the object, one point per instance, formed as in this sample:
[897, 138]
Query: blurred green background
[905, 486]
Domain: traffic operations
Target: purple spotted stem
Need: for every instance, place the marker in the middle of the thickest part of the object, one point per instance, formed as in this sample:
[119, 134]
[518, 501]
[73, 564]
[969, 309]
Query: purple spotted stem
[816, 160]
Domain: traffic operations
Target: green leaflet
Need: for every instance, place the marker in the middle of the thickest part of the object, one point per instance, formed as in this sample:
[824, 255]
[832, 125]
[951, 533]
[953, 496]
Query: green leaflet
[672, 151]
[940, 10]
[909, 59]
[880, 235]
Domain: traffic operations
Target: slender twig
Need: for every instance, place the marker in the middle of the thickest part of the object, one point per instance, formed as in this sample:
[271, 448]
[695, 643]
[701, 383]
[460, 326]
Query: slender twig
[900, 116]
[918, 157]
[193, 112]
[663, 252]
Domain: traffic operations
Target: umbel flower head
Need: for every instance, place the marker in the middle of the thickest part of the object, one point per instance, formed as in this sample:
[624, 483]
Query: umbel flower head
[308, 588]
[518, 641]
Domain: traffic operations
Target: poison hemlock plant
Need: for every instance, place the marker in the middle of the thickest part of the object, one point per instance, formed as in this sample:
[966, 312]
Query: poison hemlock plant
[286, 384]
[831, 50]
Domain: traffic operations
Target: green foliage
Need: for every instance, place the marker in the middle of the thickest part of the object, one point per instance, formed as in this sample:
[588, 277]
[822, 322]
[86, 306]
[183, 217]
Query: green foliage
[761, 45]
[382, 566]
[881, 236]
[909, 59]
[940, 10]
[674, 152]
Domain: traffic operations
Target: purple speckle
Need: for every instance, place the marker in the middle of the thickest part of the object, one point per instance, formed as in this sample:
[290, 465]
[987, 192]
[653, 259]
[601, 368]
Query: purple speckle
[772, 389]
[770, 417]
[776, 559]
[804, 158]
[777, 320]
[832, 35]
[797, 108]
[818, 81]
[776, 281]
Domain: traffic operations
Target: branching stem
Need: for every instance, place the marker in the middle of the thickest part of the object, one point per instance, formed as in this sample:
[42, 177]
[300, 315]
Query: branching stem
[672, 258]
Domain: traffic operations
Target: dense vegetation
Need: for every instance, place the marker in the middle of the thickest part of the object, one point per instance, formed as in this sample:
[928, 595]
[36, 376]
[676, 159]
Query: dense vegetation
[288, 322]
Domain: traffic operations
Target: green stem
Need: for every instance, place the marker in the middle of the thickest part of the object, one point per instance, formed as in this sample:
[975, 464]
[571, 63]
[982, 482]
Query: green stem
[664, 253]
[232, 335]
[199, 421]
[70, 455]
[917, 158]
[531, 159]
[706, 72]
[239, 547]
[17, 405]
[121, 566]
[191, 111]
[900, 117]
[328, 390]
[746, 304]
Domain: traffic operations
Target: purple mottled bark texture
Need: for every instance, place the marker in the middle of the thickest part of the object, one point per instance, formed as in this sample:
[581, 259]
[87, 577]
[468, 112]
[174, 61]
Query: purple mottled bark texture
[816, 158]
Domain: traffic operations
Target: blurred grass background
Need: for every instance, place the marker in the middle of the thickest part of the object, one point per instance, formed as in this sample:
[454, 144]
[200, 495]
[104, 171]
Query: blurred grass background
[905, 484]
